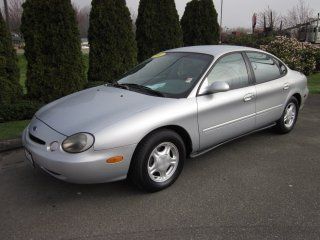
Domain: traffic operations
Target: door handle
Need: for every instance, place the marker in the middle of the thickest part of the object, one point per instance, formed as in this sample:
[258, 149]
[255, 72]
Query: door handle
[248, 97]
[286, 86]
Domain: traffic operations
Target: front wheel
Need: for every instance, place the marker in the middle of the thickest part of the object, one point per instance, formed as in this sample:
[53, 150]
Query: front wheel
[289, 117]
[158, 161]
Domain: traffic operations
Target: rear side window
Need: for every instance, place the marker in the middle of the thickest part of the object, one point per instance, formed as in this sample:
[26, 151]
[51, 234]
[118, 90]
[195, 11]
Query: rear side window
[265, 67]
[232, 70]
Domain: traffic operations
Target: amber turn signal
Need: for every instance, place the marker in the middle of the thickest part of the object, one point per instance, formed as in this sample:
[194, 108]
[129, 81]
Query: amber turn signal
[115, 159]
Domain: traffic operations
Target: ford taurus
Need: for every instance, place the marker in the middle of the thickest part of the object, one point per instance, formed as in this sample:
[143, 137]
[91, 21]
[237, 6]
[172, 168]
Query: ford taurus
[180, 103]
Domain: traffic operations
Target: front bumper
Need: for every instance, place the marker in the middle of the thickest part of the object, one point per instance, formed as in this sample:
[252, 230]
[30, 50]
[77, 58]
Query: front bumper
[85, 168]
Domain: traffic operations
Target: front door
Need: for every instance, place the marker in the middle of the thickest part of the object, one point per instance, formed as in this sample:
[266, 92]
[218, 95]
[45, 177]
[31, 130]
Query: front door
[225, 115]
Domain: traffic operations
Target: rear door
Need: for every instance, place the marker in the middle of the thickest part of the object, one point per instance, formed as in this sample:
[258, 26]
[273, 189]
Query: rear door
[272, 87]
[225, 115]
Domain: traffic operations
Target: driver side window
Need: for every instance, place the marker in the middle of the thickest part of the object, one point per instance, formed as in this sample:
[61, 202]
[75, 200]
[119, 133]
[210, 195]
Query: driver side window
[232, 70]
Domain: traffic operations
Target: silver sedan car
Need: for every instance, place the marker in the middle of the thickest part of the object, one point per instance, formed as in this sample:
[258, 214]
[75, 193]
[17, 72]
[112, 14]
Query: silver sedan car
[180, 103]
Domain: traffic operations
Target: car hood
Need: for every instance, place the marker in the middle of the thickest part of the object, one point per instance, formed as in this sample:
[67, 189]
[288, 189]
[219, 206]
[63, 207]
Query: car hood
[95, 108]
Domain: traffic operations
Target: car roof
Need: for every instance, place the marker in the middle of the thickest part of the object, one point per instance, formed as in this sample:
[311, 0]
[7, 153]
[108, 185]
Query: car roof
[214, 50]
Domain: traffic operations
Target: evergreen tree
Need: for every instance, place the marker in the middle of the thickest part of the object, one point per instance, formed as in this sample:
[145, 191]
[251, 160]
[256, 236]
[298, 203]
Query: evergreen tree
[53, 50]
[200, 24]
[10, 89]
[113, 49]
[158, 27]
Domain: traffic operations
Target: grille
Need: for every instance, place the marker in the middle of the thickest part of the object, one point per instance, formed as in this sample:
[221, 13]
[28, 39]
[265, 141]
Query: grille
[37, 140]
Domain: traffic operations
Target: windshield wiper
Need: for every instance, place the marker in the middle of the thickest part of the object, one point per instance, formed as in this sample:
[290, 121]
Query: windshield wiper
[127, 86]
[147, 89]
[117, 85]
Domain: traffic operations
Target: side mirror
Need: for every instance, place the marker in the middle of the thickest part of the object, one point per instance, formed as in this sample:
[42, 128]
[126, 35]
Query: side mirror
[216, 87]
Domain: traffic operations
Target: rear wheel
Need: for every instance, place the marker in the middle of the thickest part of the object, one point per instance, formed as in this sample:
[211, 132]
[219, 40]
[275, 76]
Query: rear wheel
[289, 117]
[158, 161]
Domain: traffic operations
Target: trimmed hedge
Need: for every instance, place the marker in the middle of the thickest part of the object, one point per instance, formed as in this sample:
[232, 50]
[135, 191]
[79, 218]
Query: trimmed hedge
[21, 110]
[10, 89]
[53, 50]
[158, 28]
[199, 23]
[113, 49]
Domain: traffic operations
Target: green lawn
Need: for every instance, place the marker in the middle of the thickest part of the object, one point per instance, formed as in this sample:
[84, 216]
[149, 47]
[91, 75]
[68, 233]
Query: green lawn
[12, 130]
[314, 83]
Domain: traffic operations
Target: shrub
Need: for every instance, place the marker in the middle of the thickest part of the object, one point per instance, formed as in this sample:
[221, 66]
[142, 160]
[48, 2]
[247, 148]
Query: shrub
[158, 27]
[21, 110]
[199, 23]
[53, 51]
[246, 40]
[113, 49]
[318, 59]
[308, 59]
[298, 56]
[10, 89]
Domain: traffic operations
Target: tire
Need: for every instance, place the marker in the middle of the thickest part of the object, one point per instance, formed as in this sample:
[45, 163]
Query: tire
[287, 122]
[157, 153]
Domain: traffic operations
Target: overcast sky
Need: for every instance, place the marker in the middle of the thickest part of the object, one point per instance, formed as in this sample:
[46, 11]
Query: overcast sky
[237, 13]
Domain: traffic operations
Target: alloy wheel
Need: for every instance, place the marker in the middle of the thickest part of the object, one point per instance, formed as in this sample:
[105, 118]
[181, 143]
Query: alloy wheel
[163, 162]
[290, 115]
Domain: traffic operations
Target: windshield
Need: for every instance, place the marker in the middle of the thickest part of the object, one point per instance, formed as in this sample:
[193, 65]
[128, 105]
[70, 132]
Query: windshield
[172, 74]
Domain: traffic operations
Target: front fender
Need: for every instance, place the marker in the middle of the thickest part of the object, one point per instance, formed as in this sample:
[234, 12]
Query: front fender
[181, 112]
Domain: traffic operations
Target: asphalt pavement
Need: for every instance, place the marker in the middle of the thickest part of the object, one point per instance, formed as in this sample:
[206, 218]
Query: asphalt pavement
[263, 186]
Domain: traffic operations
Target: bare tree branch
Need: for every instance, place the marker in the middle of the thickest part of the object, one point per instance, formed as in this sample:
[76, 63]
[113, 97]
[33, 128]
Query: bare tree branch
[299, 14]
[269, 18]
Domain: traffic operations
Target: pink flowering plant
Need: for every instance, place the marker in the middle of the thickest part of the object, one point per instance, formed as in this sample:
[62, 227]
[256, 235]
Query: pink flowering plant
[297, 55]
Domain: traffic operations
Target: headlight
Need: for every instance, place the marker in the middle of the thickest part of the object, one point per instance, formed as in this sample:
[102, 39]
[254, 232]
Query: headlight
[78, 143]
